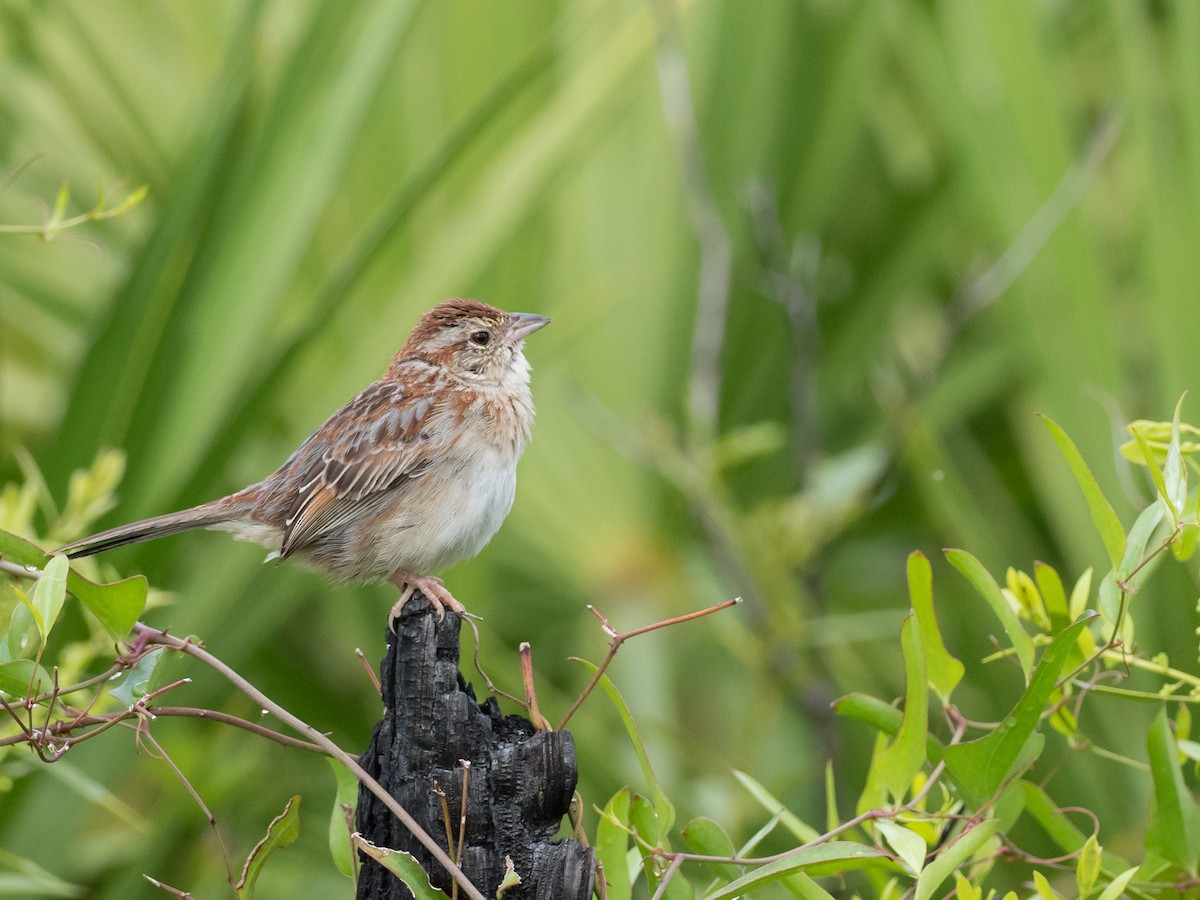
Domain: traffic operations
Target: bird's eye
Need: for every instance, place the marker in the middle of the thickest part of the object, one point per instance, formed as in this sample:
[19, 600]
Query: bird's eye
[481, 338]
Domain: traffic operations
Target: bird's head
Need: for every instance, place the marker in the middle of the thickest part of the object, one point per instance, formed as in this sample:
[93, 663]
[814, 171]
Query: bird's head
[473, 341]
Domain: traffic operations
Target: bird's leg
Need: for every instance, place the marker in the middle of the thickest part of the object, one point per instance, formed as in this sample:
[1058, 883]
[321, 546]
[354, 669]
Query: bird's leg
[430, 586]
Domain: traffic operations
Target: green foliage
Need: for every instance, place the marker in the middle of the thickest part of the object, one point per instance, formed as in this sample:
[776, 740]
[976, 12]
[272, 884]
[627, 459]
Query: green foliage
[937, 807]
[282, 832]
[404, 866]
[939, 218]
[58, 221]
[341, 820]
[1174, 830]
[945, 672]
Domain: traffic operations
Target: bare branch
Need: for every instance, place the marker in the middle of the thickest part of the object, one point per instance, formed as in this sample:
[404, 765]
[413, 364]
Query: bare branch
[618, 639]
[321, 740]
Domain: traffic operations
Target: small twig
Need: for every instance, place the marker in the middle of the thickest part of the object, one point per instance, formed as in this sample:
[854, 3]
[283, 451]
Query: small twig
[619, 638]
[575, 817]
[348, 818]
[362, 658]
[64, 728]
[492, 689]
[56, 755]
[599, 885]
[676, 863]
[184, 895]
[1124, 583]
[20, 571]
[55, 223]
[26, 731]
[540, 722]
[462, 821]
[81, 685]
[195, 795]
[437, 789]
[284, 740]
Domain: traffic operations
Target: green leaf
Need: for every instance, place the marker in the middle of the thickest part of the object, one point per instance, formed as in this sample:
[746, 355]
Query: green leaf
[953, 856]
[645, 821]
[1139, 536]
[1116, 887]
[651, 830]
[1156, 475]
[1103, 516]
[904, 757]
[983, 581]
[706, 837]
[49, 594]
[116, 605]
[823, 859]
[1087, 867]
[775, 807]
[800, 885]
[1174, 831]
[1044, 890]
[909, 845]
[341, 820]
[964, 890]
[1174, 470]
[1054, 594]
[662, 806]
[612, 845]
[874, 793]
[17, 640]
[883, 717]
[1108, 601]
[61, 201]
[1011, 803]
[1157, 436]
[1189, 538]
[134, 683]
[1079, 595]
[24, 677]
[945, 672]
[510, 880]
[404, 866]
[981, 767]
[282, 832]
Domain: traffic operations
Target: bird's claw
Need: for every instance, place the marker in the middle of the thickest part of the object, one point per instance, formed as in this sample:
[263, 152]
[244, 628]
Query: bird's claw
[432, 589]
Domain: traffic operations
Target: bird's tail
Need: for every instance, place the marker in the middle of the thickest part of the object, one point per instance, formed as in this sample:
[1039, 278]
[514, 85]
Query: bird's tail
[160, 526]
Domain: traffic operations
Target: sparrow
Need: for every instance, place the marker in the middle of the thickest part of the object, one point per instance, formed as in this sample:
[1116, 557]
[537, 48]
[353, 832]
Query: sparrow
[413, 475]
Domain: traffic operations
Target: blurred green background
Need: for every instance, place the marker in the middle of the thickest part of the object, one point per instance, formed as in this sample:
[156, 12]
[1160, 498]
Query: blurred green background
[813, 268]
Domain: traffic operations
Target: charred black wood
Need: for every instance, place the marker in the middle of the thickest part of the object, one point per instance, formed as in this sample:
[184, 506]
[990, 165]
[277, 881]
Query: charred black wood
[520, 781]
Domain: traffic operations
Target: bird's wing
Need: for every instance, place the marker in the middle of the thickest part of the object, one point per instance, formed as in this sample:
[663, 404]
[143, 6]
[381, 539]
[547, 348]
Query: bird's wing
[375, 442]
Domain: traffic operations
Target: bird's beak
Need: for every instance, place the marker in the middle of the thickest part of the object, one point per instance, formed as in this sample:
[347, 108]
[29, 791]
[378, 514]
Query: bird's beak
[524, 324]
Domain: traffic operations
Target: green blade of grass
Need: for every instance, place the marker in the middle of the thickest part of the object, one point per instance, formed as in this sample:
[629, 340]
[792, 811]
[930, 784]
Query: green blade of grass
[985, 584]
[1103, 516]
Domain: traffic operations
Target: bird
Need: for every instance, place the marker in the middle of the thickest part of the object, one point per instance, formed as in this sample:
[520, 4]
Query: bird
[414, 474]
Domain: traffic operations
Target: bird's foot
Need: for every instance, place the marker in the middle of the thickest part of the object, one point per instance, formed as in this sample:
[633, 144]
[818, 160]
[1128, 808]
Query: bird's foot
[431, 587]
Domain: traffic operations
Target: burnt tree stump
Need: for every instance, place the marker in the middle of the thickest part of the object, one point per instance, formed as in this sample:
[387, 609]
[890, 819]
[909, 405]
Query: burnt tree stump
[520, 785]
